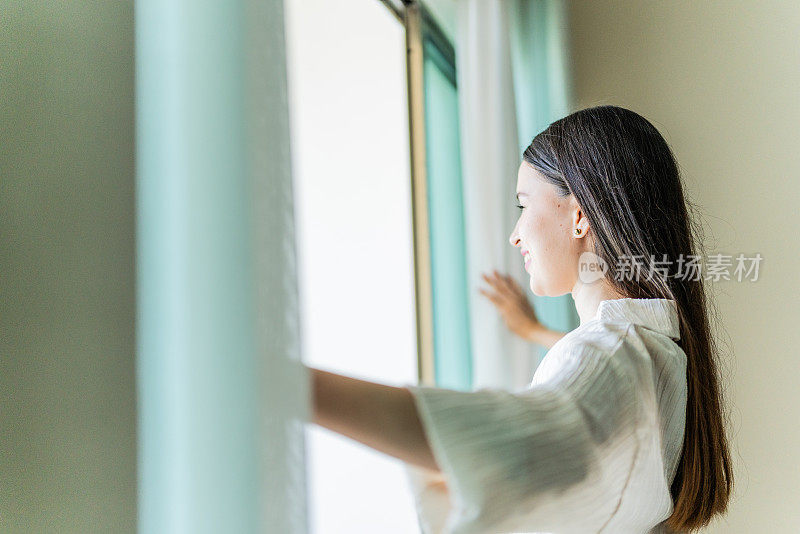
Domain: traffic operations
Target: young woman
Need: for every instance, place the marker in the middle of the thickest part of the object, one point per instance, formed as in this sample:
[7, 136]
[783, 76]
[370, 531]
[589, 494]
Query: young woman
[621, 428]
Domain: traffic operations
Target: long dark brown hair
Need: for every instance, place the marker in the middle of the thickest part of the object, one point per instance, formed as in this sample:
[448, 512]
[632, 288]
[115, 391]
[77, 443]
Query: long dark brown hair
[625, 179]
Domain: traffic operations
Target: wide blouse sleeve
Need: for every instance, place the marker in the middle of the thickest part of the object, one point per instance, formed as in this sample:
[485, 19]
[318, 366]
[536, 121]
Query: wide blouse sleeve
[552, 457]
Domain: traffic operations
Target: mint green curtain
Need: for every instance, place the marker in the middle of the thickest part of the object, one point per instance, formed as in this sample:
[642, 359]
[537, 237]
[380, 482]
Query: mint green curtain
[217, 306]
[451, 328]
[197, 416]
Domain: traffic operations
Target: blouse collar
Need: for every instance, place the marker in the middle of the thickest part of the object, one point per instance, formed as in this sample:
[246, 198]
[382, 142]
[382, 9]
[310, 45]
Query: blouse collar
[660, 315]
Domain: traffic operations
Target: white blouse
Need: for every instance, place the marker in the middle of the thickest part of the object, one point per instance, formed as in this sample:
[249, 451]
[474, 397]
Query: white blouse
[591, 445]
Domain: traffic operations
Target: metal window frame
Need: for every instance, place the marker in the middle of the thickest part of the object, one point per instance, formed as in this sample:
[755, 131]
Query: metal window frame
[421, 27]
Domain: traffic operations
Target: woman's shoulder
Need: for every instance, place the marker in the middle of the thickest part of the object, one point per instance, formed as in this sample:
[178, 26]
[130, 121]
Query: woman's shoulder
[599, 343]
[597, 335]
[614, 344]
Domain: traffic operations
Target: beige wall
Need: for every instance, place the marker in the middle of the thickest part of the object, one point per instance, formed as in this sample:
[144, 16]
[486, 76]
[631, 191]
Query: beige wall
[67, 341]
[721, 81]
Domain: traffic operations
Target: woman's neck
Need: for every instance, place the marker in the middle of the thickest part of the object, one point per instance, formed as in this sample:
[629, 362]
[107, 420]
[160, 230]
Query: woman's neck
[587, 297]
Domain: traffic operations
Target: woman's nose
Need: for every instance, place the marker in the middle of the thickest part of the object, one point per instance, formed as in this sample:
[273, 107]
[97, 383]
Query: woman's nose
[514, 240]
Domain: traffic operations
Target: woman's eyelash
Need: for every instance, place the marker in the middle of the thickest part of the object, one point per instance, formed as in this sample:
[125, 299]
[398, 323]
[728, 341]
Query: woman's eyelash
[520, 207]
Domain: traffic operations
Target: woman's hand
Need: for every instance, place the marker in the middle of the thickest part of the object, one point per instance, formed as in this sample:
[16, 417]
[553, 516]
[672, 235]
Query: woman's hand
[512, 303]
[517, 312]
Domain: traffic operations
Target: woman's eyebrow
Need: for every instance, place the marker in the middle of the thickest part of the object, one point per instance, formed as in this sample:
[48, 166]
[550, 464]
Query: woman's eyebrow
[521, 195]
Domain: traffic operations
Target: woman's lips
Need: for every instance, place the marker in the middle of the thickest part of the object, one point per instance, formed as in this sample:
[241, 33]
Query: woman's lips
[527, 258]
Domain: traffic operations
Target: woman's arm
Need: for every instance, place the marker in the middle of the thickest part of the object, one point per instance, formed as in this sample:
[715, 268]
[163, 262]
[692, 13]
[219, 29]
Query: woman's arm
[379, 416]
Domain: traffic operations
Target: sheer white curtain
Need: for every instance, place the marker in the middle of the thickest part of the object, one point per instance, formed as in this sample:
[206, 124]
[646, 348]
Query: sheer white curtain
[286, 395]
[512, 80]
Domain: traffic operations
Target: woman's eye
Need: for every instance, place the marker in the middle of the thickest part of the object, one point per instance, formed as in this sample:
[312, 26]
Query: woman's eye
[520, 207]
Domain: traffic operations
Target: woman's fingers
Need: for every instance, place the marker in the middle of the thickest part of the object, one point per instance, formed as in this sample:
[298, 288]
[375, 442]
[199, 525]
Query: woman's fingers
[502, 296]
[494, 298]
[511, 301]
[494, 282]
[518, 289]
[500, 290]
[506, 284]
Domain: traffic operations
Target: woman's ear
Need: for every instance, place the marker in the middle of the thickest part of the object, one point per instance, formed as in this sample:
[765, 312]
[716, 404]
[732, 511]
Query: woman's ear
[580, 224]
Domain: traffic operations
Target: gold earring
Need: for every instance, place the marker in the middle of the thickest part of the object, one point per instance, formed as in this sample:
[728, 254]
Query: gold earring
[577, 231]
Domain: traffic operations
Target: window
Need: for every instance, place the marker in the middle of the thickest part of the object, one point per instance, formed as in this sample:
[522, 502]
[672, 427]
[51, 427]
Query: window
[448, 253]
[349, 140]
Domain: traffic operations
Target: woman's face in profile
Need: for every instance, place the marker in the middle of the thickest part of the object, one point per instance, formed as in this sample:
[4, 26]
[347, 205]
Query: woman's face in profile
[544, 233]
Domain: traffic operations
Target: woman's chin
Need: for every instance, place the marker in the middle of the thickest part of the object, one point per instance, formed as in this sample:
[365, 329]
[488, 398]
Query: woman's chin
[545, 291]
[535, 287]
[542, 291]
